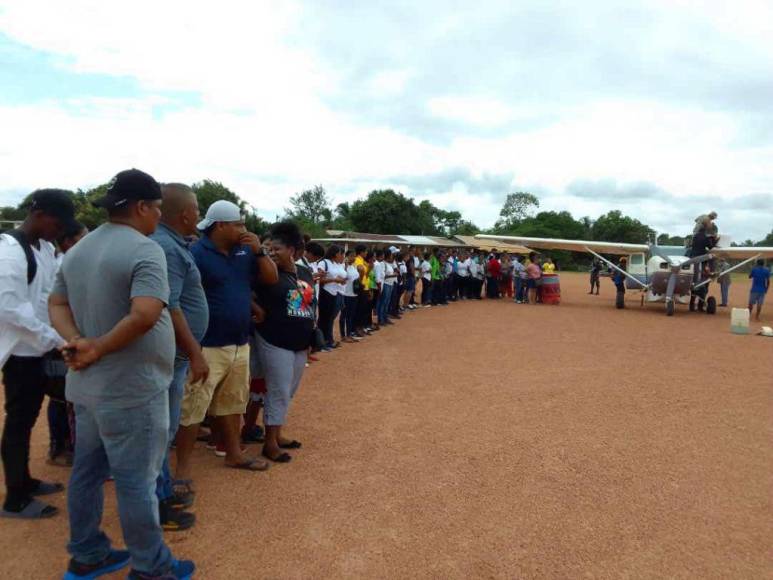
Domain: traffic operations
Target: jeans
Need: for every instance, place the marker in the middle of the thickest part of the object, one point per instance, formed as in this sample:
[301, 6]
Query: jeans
[284, 371]
[130, 445]
[384, 300]
[725, 288]
[176, 390]
[58, 427]
[24, 380]
[426, 291]
[519, 288]
[348, 319]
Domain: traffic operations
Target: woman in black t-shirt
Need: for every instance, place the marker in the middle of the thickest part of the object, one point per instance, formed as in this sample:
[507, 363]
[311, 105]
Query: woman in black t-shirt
[284, 336]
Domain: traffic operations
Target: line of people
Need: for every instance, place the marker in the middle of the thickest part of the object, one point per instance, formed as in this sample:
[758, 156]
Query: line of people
[158, 323]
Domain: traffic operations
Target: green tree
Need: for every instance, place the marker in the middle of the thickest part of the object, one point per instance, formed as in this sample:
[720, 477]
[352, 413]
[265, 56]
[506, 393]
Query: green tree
[615, 227]
[667, 240]
[767, 241]
[516, 208]
[311, 206]
[385, 211]
[465, 228]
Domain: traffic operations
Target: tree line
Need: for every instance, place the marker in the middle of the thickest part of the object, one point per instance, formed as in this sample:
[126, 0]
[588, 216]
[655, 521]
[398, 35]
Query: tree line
[386, 211]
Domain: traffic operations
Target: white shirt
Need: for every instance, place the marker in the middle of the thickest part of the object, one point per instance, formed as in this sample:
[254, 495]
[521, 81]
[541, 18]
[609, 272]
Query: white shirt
[519, 270]
[389, 270]
[25, 329]
[378, 271]
[313, 266]
[332, 270]
[426, 270]
[416, 266]
[463, 268]
[351, 275]
[403, 269]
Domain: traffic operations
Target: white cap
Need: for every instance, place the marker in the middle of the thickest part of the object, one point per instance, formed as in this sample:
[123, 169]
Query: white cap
[393, 249]
[221, 211]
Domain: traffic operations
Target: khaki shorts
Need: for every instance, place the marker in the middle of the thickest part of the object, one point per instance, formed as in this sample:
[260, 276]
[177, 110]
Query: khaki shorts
[226, 390]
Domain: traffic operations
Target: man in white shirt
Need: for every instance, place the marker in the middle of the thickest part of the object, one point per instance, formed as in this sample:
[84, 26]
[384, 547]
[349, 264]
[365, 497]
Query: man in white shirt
[426, 281]
[378, 275]
[463, 271]
[28, 268]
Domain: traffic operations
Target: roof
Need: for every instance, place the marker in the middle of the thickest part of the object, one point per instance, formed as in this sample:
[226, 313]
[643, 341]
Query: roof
[488, 245]
[389, 239]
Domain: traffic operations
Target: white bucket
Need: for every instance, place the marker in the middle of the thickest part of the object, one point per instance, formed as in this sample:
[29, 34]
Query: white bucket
[739, 321]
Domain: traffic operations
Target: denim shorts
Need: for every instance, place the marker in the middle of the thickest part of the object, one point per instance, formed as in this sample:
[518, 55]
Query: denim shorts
[757, 298]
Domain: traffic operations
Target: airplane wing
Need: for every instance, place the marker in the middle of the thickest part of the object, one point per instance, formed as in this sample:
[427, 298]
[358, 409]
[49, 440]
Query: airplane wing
[571, 245]
[742, 252]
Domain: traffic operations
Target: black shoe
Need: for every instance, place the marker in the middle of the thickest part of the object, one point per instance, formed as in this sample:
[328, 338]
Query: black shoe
[173, 520]
[254, 435]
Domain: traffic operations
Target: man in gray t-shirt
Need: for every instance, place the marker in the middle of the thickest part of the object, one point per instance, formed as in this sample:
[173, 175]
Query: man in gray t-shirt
[99, 279]
[110, 303]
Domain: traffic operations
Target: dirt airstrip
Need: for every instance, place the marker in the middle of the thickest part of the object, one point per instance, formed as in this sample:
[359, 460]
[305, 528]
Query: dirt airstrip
[492, 440]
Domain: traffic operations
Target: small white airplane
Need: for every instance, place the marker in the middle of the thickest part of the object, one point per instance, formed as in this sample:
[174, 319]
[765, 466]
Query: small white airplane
[662, 273]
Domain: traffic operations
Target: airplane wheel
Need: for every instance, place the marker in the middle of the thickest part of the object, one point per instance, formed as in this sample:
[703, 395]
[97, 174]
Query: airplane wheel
[711, 305]
[620, 300]
[670, 308]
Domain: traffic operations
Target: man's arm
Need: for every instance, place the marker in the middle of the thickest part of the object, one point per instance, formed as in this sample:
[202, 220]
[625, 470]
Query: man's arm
[16, 310]
[267, 272]
[61, 317]
[189, 345]
[143, 315]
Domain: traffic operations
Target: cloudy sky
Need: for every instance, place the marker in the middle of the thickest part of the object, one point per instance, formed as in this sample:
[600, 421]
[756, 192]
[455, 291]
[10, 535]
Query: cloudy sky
[663, 110]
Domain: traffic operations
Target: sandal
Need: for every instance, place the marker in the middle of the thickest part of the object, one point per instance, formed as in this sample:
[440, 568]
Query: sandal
[291, 445]
[250, 465]
[281, 458]
[34, 510]
[183, 487]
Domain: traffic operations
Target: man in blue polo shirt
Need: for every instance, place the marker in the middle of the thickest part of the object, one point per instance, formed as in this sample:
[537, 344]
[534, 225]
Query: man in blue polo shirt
[760, 276]
[190, 317]
[230, 260]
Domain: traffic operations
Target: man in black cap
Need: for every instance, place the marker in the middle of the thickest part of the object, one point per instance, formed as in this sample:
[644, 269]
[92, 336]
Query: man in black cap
[27, 270]
[110, 303]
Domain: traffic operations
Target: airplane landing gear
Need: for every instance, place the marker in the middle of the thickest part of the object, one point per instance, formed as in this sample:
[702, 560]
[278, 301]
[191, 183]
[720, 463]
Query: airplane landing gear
[711, 305]
[620, 300]
[669, 308]
[692, 303]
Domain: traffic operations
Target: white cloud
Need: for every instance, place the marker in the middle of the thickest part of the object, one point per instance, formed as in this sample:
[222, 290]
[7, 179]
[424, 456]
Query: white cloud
[265, 118]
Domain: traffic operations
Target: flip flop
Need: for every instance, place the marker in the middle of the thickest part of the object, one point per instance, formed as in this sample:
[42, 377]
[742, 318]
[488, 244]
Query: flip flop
[281, 458]
[291, 445]
[46, 488]
[250, 465]
[34, 510]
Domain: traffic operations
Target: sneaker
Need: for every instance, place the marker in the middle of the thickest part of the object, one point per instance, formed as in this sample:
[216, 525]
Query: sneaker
[428, 306]
[173, 520]
[181, 570]
[115, 560]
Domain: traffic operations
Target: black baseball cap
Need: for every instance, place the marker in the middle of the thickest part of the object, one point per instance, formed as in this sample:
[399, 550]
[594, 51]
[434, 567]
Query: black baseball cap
[129, 185]
[54, 202]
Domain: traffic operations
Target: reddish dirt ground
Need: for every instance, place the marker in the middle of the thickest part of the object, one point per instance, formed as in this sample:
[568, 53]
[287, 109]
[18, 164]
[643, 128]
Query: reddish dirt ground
[492, 440]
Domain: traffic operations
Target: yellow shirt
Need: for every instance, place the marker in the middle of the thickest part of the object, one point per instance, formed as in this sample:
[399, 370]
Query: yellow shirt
[548, 268]
[360, 261]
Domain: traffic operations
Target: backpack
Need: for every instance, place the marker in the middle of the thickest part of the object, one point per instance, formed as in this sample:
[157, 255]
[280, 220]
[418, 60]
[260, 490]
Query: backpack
[32, 263]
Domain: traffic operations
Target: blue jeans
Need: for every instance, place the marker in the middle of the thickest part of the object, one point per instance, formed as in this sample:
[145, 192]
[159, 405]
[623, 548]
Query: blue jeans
[725, 288]
[176, 390]
[384, 299]
[128, 444]
[519, 288]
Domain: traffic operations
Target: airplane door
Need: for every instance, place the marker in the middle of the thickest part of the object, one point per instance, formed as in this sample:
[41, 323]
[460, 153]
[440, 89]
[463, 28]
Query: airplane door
[637, 267]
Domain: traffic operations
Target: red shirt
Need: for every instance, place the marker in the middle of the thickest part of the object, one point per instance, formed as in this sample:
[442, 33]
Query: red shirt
[494, 268]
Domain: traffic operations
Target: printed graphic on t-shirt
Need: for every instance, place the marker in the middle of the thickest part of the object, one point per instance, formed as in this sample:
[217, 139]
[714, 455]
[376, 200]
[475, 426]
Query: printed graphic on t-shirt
[300, 300]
